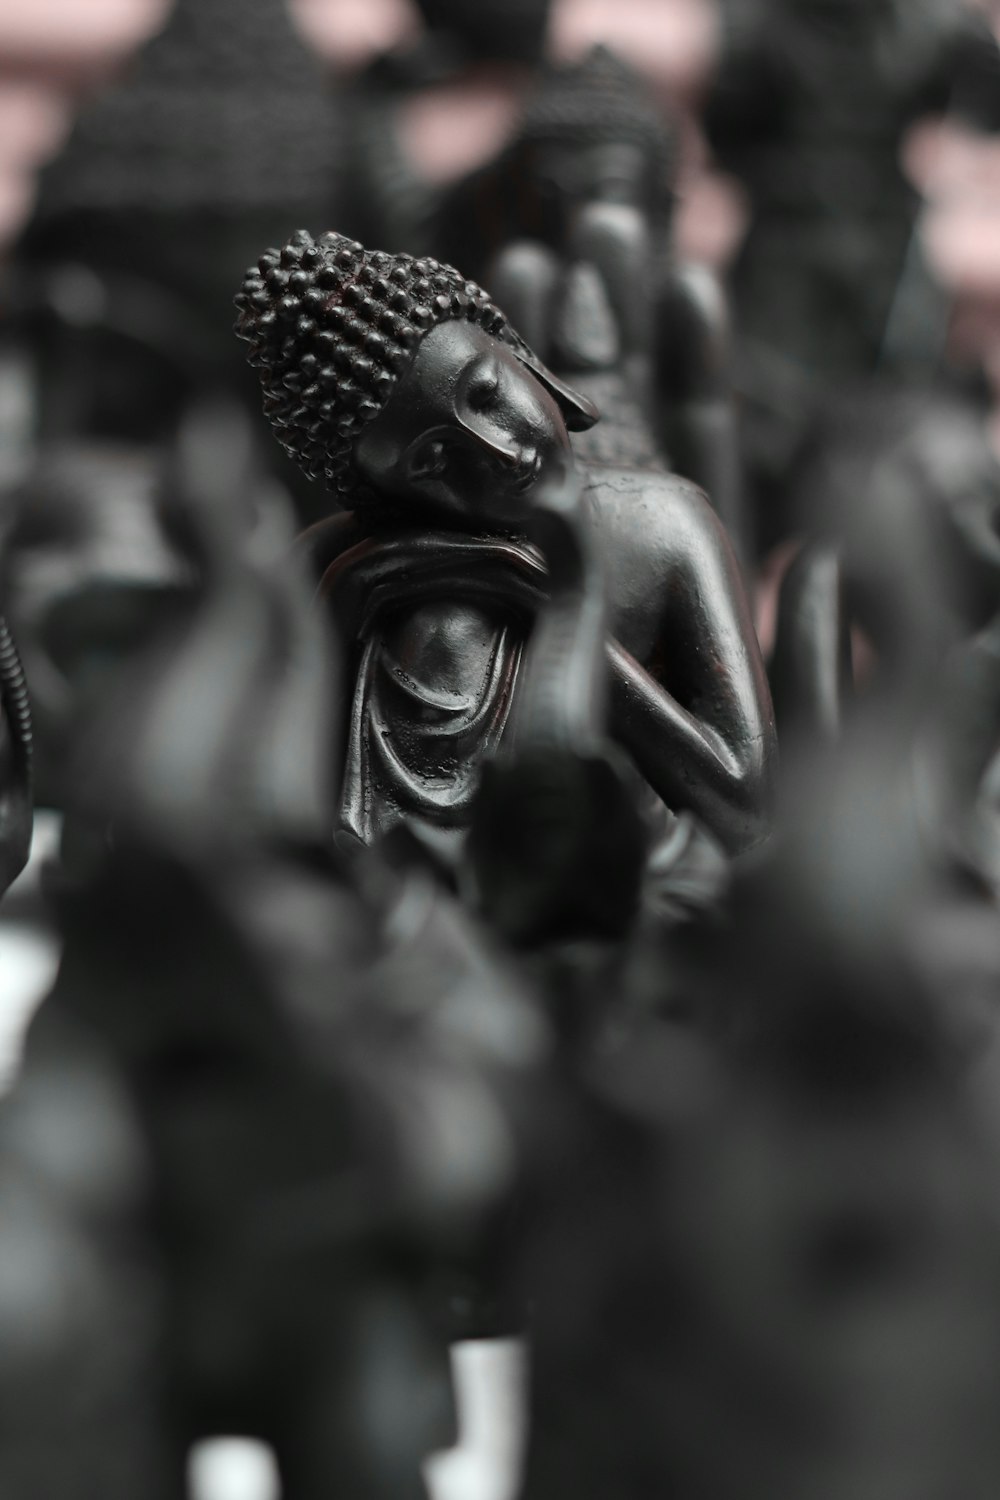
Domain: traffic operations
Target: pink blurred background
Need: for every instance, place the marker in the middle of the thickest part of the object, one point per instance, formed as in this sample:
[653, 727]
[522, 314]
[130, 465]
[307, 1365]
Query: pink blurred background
[53, 52]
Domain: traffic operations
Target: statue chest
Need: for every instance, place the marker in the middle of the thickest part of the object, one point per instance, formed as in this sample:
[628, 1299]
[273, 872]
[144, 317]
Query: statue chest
[442, 653]
[432, 699]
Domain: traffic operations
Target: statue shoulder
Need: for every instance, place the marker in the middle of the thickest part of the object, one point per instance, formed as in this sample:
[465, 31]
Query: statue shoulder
[650, 510]
[660, 541]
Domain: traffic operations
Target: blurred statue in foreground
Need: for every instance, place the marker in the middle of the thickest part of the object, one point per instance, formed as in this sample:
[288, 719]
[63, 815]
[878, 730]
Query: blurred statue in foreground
[446, 440]
[223, 128]
[264, 1101]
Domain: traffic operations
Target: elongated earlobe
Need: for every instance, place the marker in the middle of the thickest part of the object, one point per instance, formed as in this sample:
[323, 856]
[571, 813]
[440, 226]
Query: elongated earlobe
[579, 412]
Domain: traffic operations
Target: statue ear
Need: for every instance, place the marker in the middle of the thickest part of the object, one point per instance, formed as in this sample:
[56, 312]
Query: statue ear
[579, 412]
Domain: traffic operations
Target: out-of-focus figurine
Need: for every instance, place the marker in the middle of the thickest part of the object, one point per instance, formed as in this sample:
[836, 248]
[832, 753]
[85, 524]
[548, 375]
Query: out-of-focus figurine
[222, 133]
[907, 485]
[570, 231]
[302, 1095]
[440, 432]
[893, 600]
[796, 1192]
[808, 110]
[91, 572]
[222, 129]
[591, 132]
[464, 54]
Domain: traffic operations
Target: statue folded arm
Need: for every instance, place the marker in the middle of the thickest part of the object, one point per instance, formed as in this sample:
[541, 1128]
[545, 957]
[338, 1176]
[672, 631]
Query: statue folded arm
[689, 696]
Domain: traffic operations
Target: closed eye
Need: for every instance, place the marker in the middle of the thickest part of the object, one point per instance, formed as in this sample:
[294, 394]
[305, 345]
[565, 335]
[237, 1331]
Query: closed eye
[483, 386]
[429, 461]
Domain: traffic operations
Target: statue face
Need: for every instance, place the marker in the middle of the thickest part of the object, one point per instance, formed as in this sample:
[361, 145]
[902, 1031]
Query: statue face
[468, 430]
[591, 172]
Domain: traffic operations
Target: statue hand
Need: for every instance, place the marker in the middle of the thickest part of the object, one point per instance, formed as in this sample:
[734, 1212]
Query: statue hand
[559, 525]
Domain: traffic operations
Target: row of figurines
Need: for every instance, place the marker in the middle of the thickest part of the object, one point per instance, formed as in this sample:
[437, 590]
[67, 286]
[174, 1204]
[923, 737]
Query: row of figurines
[549, 1038]
[570, 229]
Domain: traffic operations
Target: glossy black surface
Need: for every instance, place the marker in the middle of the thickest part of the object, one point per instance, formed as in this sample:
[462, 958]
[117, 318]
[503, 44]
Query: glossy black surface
[450, 448]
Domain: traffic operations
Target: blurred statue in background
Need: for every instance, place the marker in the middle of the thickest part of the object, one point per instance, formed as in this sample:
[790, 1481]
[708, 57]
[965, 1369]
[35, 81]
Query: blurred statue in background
[895, 495]
[446, 440]
[907, 483]
[15, 762]
[570, 230]
[809, 110]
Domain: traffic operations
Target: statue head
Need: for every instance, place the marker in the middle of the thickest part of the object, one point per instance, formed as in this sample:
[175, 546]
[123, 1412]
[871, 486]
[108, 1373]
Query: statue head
[400, 381]
[593, 131]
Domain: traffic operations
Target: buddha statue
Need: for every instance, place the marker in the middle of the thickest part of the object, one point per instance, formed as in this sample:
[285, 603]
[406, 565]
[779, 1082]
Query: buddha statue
[446, 443]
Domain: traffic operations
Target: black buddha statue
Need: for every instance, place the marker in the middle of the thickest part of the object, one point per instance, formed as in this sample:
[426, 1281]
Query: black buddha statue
[589, 131]
[91, 572]
[171, 156]
[445, 438]
[906, 484]
[264, 1101]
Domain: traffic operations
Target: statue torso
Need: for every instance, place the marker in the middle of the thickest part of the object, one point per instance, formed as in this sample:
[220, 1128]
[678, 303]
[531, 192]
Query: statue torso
[436, 674]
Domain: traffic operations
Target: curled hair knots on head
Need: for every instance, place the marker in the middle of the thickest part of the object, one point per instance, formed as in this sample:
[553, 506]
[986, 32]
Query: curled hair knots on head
[601, 99]
[331, 327]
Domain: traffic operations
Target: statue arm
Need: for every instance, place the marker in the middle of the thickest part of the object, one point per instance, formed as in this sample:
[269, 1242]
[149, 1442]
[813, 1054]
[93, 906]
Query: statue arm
[694, 392]
[523, 280]
[557, 808]
[697, 717]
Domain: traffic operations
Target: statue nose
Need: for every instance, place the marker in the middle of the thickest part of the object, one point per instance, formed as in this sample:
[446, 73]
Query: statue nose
[502, 450]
